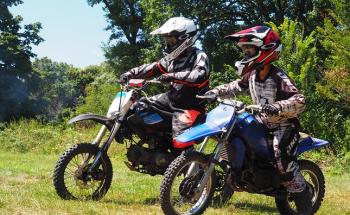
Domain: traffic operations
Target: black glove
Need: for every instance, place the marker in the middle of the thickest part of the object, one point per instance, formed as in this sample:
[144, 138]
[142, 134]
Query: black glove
[166, 78]
[271, 109]
[125, 77]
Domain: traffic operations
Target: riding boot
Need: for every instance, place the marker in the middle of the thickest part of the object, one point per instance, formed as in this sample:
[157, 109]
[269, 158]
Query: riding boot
[234, 177]
[303, 202]
[237, 176]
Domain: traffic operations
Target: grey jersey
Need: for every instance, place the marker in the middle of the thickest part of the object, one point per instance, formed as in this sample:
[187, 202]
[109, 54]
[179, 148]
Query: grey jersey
[191, 73]
[277, 88]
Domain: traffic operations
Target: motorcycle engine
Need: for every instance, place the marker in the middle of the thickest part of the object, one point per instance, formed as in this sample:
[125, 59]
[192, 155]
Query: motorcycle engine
[149, 160]
[265, 178]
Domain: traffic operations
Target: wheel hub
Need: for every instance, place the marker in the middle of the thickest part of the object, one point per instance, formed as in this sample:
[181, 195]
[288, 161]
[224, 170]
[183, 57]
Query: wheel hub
[188, 186]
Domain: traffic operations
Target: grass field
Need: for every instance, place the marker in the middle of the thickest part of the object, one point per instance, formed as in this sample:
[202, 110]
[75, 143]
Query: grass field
[26, 188]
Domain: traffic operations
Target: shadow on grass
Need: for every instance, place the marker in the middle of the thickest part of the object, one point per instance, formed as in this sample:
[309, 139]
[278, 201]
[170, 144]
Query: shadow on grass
[151, 201]
[244, 206]
[148, 201]
[255, 207]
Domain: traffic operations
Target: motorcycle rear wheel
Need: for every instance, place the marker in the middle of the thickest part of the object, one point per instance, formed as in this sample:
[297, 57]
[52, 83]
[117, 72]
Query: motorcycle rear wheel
[178, 192]
[316, 183]
[71, 179]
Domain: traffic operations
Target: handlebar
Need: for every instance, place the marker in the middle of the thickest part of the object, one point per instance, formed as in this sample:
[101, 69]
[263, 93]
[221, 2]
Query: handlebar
[251, 108]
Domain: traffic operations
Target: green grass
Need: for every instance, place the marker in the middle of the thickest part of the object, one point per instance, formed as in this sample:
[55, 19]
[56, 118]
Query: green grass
[30, 150]
[26, 188]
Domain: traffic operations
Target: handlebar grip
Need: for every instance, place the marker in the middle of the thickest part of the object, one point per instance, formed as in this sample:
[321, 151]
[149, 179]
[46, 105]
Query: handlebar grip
[200, 97]
[210, 97]
[154, 81]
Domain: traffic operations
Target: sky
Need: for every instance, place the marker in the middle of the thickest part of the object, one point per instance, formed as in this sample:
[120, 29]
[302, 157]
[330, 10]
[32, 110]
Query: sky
[73, 31]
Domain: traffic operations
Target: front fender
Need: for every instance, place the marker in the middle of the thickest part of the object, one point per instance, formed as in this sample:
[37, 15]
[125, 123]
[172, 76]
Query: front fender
[108, 122]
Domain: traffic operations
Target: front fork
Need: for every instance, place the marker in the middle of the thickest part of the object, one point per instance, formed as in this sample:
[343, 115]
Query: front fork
[99, 136]
[200, 150]
[210, 169]
[104, 148]
[216, 157]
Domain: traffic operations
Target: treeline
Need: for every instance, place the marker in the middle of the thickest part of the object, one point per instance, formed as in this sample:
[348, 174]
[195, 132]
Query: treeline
[316, 54]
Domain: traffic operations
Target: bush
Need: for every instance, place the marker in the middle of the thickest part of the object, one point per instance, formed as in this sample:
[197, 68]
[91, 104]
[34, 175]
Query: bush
[34, 136]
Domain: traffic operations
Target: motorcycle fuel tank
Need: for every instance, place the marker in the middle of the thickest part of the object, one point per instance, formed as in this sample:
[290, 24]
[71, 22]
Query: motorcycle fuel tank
[218, 119]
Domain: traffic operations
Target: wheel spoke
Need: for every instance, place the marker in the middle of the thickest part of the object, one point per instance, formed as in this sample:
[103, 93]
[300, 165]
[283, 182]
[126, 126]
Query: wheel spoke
[78, 183]
[183, 191]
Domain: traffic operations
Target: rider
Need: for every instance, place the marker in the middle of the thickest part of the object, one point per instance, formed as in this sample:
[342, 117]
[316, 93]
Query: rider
[281, 102]
[185, 67]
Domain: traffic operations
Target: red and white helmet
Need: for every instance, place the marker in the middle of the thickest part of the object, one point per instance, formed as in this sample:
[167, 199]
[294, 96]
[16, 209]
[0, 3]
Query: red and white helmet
[264, 38]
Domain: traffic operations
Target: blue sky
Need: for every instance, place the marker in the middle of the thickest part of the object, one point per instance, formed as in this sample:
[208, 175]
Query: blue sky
[73, 31]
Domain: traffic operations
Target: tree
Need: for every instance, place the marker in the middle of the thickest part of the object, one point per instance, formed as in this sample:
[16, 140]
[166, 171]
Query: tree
[132, 20]
[335, 39]
[15, 66]
[56, 90]
[126, 24]
[299, 54]
[217, 19]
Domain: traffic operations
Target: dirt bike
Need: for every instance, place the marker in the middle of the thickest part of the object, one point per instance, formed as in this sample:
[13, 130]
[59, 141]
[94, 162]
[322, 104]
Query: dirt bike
[84, 171]
[191, 179]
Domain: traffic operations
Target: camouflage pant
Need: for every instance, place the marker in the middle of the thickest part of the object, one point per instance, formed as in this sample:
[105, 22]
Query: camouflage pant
[284, 141]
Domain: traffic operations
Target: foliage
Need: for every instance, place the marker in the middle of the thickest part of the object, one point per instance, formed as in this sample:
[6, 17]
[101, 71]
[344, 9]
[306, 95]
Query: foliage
[335, 39]
[16, 74]
[98, 99]
[61, 87]
[317, 59]
[158, 12]
[131, 22]
[298, 56]
[55, 90]
[125, 20]
[33, 136]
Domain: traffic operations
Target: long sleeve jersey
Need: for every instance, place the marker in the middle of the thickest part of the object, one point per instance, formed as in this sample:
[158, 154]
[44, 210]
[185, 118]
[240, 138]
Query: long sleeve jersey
[191, 77]
[277, 88]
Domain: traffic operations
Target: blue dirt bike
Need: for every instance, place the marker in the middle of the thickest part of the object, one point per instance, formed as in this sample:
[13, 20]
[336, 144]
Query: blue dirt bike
[192, 178]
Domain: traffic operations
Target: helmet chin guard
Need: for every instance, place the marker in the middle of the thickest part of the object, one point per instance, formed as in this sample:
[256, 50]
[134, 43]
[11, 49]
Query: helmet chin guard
[185, 45]
[242, 66]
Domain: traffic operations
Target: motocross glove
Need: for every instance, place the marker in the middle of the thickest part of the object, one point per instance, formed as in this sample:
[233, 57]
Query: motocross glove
[271, 109]
[166, 78]
[125, 77]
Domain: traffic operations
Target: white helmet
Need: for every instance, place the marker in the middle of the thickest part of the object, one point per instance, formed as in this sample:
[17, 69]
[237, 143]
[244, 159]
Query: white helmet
[183, 29]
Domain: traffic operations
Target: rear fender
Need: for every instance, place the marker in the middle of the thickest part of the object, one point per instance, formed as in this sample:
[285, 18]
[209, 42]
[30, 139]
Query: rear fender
[108, 122]
[310, 143]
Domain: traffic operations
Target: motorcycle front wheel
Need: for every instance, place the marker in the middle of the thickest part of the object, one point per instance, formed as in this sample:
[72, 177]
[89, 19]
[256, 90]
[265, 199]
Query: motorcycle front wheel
[71, 178]
[179, 193]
